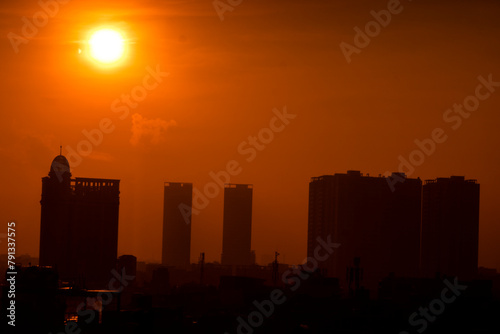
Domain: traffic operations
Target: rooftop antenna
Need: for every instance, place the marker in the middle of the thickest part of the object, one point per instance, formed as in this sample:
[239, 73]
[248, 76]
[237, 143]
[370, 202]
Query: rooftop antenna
[275, 268]
[202, 265]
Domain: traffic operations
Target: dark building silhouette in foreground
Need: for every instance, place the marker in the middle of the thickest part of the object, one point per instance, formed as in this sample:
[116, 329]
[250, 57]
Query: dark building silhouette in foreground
[127, 263]
[450, 227]
[237, 229]
[177, 208]
[79, 225]
[38, 308]
[374, 225]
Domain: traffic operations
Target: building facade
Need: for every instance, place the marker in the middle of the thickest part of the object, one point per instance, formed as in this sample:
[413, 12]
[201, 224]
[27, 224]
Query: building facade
[177, 208]
[79, 225]
[450, 227]
[378, 227]
[237, 225]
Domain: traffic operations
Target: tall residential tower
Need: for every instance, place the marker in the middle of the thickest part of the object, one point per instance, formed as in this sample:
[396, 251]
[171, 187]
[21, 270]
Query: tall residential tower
[450, 227]
[372, 223]
[237, 230]
[177, 208]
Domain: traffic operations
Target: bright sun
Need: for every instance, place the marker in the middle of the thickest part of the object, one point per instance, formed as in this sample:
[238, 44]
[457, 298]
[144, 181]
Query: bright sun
[107, 46]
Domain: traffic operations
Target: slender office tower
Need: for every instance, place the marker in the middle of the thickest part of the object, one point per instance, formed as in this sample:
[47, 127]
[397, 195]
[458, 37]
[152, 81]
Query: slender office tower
[79, 225]
[450, 227]
[177, 207]
[237, 229]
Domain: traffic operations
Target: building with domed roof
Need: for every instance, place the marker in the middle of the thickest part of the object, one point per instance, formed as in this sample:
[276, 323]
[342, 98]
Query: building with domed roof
[79, 225]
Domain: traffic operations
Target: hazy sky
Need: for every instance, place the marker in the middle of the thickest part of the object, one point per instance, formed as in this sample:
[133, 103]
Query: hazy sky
[225, 79]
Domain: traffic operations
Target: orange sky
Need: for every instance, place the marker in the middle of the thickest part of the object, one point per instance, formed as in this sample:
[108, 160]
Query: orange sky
[225, 78]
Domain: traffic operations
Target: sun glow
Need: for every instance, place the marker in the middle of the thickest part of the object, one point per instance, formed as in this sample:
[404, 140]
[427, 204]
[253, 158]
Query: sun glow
[107, 46]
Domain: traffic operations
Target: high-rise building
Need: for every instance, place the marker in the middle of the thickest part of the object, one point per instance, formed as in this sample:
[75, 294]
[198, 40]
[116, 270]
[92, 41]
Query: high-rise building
[237, 229]
[79, 225]
[450, 227]
[377, 226]
[177, 207]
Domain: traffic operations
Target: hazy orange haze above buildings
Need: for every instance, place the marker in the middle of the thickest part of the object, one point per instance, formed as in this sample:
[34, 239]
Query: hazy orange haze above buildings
[224, 80]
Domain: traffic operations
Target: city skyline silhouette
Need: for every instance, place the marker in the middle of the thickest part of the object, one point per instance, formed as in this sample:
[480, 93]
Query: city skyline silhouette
[364, 212]
[358, 224]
